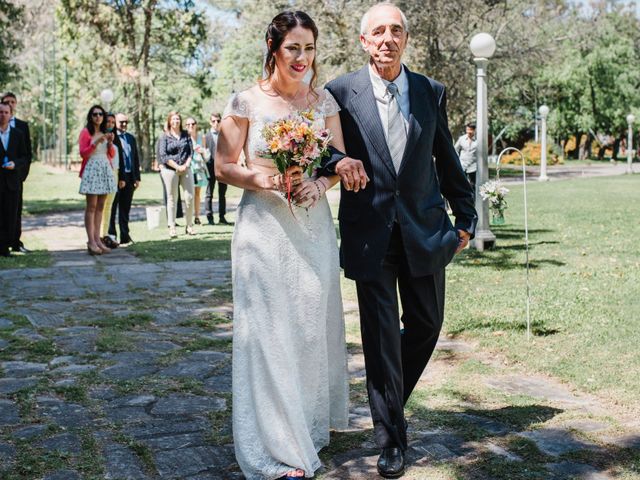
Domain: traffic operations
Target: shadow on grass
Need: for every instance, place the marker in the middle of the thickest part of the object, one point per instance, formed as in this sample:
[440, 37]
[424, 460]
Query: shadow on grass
[485, 443]
[538, 328]
[503, 258]
[56, 205]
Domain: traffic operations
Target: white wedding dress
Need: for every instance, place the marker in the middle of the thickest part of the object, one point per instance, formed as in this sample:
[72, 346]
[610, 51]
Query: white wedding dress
[289, 356]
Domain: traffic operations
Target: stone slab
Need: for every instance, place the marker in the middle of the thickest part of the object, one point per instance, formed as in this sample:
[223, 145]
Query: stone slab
[188, 405]
[183, 462]
[535, 387]
[64, 443]
[121, 462]
[566, 470]
[174, 442]
[68, 415]
[556, 442]
[44, 320]
[7, 455]
[6, 323]
[158, 428]
[30, 431]
[13, 385]
[123, 371]
[9, 414]
[22, 369]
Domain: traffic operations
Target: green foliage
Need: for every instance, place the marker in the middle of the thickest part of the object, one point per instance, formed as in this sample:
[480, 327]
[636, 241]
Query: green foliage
[9, 41]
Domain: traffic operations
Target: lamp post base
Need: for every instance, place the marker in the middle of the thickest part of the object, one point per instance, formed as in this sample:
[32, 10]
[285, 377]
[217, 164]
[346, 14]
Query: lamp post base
[543, 178]
[484, 240]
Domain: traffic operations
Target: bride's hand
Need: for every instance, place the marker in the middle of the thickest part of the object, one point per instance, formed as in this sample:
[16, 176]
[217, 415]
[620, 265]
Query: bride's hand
[280, 181]
[308, 193]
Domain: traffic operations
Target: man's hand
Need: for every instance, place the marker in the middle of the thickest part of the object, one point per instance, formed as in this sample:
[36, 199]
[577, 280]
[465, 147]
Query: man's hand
[463, 240]
[121, 184]
[352, 174]
[135, 184]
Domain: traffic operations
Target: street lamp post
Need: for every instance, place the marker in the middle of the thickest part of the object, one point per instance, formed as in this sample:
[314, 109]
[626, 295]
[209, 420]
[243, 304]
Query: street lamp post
[543, 111]
[630, 119]
[106, 96]
[482, 46]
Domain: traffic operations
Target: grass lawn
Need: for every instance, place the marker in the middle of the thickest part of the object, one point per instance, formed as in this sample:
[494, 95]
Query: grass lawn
[38, 258]
[584, 284]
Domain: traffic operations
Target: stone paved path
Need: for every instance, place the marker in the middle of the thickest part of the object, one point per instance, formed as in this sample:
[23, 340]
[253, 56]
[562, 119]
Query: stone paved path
[122, 371]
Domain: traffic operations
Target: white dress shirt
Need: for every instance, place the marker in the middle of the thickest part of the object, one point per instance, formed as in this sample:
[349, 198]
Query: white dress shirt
[4, 137]
[382, 97]
[467, 149]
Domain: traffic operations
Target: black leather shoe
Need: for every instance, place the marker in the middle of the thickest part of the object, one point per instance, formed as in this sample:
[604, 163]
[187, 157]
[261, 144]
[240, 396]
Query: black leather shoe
[223, 221]
[210, 220]
[126, 240]
[21, 249]
[391, 463]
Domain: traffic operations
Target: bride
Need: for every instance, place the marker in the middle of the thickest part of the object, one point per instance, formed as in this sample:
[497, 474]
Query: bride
[289, 356]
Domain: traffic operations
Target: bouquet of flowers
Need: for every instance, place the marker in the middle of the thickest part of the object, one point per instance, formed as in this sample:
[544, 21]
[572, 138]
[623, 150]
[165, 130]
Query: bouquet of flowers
[496, 193]
[296, 140]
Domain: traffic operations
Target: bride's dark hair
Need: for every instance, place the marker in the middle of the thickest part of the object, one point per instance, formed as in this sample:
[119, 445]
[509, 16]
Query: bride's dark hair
[282, 24]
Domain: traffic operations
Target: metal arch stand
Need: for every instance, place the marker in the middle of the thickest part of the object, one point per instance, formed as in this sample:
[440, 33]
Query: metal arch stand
[526, 228]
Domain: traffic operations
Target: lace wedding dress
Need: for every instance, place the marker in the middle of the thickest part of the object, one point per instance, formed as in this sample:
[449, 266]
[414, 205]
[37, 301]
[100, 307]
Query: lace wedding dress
[289, 356]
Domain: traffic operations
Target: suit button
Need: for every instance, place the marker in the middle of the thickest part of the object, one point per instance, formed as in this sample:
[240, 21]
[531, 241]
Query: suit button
[397, 193]
[390, 225]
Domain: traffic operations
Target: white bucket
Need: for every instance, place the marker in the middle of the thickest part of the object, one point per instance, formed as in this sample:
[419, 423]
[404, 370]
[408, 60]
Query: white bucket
[156, 217]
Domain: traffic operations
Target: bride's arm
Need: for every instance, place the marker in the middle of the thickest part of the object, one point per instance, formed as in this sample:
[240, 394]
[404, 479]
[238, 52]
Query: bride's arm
[231, 140]
[337, 141]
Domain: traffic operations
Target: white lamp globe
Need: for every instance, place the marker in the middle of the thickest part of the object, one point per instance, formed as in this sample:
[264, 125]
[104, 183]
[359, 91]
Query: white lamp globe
[543, 111]
[482, 45]
[106, 95]
[631, 118]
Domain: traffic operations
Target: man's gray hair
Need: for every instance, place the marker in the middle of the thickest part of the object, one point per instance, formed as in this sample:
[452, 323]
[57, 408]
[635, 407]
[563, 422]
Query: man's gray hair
[365, 18]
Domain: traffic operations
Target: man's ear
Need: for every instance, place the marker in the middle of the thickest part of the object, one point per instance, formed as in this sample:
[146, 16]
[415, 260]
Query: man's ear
[363, 42]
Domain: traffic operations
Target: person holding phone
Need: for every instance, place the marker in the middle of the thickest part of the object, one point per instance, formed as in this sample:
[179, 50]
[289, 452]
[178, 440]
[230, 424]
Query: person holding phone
[97, 152]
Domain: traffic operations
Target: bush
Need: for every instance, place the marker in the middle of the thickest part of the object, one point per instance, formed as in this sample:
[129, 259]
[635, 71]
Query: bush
[531, 152]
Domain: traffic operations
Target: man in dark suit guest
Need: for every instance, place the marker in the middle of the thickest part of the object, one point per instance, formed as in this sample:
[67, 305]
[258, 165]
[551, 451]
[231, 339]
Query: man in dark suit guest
[211, 140]
[128, 179]
[14, 159]
[395, 233]
[22, 126]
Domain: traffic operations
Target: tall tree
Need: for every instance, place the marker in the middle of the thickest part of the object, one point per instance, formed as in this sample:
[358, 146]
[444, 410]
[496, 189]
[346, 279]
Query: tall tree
[133, 35]
[9, 42]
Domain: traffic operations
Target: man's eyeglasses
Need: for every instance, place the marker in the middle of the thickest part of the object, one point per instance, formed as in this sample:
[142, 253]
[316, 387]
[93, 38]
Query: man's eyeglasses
[215, 120]
[191, 124]
[123, 122]
[97, 114]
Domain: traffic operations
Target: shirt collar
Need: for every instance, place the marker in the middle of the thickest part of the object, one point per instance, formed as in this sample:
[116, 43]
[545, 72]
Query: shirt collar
[380, 84]
[7, 130]
[12, 121]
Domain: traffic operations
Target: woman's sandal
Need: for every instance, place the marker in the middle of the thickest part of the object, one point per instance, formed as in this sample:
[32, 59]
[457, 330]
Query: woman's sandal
[91, 251]
[293, 477]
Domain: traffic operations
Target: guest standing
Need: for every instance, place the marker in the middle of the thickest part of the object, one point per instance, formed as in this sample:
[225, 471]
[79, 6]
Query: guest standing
[128, 179]
[175, 162]
[14, 159]
[467, 149]
[97, 152]
[211, 140]
[108, 240]
[23, 127]
[198, 164]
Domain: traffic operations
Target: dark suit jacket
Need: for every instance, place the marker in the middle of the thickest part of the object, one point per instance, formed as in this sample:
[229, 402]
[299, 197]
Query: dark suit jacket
[17, 153]
[412, 198]
[210, 143]
[135, 159]
[24, 128]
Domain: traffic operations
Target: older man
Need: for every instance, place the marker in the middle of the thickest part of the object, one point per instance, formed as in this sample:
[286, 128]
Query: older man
[395, 231]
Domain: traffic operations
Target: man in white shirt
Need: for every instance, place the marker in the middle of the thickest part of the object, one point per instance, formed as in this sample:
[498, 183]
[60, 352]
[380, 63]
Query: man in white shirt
[467, 148]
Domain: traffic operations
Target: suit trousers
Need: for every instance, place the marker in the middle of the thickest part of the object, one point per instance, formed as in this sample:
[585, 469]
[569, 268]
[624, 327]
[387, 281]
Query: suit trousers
[9, 201]
[17, 243]
[222, 192]
[122, 205]
[395, 360]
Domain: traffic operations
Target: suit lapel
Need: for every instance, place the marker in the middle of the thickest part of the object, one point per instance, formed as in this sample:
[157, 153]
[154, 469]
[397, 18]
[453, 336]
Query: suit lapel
[418, 108]
[363, 105]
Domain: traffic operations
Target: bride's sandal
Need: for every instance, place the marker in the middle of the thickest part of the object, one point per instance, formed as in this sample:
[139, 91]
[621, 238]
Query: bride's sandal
[297, 475]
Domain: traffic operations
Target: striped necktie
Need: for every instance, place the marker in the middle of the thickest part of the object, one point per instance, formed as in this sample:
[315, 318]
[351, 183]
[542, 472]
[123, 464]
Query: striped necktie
[396, 133]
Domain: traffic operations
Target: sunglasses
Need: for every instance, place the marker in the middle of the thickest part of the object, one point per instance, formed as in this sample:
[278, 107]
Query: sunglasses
[191, 124]
[215, 120]
[97, 114]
